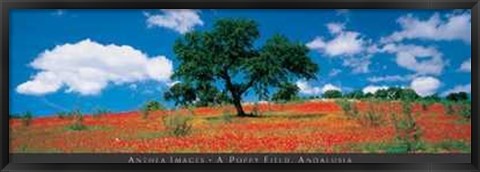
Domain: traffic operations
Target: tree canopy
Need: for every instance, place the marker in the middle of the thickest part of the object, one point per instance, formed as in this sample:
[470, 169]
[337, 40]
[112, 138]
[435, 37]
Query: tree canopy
[227, 61]
[332, 94]
[286, 92]
[460, 96]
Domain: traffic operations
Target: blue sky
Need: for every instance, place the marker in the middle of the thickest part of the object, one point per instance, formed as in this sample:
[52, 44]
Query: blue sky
[118, 59]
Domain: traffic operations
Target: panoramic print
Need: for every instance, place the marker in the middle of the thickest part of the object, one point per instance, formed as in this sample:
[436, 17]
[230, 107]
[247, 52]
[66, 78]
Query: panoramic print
[240, 81]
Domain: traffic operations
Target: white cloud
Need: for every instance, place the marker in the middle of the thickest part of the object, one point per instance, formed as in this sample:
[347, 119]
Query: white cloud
[348, 45]
[335, 28]
[390, 78]
[455, 26]
[305, 88]
[344, 44]
[466, 66]
[358, 64]
[334, 72]
[423, 60]
[425, 86]
[87, 67]
[179, 20]
[328, 87]
[372, 89]
[459, 88]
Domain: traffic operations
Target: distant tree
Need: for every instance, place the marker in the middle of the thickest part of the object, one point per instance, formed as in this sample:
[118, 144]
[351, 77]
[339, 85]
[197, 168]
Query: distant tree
[332, 94]
[27, 118]
[394, 93]
[460, 96]
[286, 92]
[154, 106]
[357, 94]
[381, 94]
[409, 94]
[368, 95]
[434, 98]
[228, 60]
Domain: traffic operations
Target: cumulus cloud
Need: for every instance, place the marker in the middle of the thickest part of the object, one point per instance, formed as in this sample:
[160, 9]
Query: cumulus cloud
[358, 64]
[390, 78]
[335, 28]
[425, 85]
[179, 20]
[351, 46]
[344, 44]
[459, 88]
[87, 67]
[306, 88]
[466, 66]
[422, 60]
[328, 87]
[454, 26]
[372, 89]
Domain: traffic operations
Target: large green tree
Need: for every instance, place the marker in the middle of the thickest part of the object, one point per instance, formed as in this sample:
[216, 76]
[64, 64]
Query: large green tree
[227, 59]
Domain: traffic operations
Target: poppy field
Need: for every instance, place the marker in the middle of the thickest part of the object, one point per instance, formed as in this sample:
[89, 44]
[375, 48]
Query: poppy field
[313, 126]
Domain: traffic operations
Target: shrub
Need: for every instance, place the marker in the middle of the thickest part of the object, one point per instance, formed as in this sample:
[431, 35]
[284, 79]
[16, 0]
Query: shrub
[77, 124]
[154, 106]
[425, 104]
[144, 112]
[150, 107]
[178, 125]
[15, 116]
[27, 118]
[100, 112]
[406, 107]
[372, 117]
[348, 108]
[466, 111]
[449, 107]
[62, 115]
[454, 145]
[408, 134]
[256, 110]
[355, 111]
[227, 117]
[404, 147]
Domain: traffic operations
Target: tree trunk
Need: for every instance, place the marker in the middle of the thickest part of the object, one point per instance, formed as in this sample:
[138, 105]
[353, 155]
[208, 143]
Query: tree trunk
[238, 106]
[236, 94]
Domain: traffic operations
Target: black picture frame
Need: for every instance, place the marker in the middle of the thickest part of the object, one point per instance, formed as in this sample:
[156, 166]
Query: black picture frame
[7, 5]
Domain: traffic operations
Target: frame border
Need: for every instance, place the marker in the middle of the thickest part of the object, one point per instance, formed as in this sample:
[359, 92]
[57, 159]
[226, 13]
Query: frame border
[7, 5]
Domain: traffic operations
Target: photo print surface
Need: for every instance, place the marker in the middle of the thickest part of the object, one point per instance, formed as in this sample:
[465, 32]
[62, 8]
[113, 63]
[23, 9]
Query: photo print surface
[240, 81]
